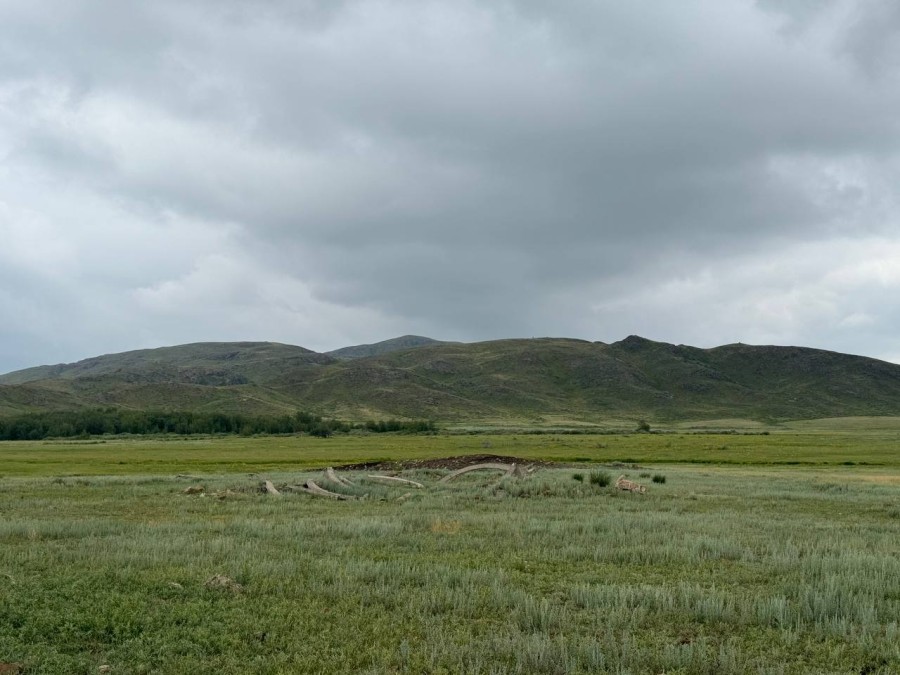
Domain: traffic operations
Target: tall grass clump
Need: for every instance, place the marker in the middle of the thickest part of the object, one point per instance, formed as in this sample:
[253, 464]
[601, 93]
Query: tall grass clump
[659, 478]
[600, 478]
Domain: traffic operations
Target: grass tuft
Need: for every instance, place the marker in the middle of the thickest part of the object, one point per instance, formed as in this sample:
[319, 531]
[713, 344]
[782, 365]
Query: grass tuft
[601, 478]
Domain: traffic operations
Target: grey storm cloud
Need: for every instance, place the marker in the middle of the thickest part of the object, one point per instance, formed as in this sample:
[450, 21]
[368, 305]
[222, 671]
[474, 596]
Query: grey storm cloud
[332, 172]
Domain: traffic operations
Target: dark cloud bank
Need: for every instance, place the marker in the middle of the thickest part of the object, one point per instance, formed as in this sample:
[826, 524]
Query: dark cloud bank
[325, 173]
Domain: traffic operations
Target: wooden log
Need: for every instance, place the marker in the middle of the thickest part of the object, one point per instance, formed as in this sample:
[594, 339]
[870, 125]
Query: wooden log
[313, 489]
[267, 486]
[493, 466]
[395, 479]
[513, 471]
[334, 478]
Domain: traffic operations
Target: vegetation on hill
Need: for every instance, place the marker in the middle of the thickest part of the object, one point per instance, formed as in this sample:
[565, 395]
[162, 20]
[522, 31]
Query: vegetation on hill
[384, 347]
[525, 382]
[85, 423]
[204, 363]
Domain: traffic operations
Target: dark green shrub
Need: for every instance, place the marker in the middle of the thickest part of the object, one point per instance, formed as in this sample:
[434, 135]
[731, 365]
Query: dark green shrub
[578, 476]
[600, 478]
[659, 478]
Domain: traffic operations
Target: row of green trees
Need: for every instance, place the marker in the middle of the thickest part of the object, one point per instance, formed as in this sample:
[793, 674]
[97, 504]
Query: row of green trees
[98, 422]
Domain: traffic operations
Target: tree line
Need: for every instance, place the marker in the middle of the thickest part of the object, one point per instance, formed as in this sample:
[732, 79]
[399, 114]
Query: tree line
[99, 422]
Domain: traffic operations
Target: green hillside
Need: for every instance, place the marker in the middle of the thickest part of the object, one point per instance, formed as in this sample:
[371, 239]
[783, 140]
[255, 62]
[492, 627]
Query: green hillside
[201, 363]
[383, 347]
[536, 381]
[19, 399]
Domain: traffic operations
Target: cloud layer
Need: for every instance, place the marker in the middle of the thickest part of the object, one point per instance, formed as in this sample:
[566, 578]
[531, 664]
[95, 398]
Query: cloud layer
[324, 173]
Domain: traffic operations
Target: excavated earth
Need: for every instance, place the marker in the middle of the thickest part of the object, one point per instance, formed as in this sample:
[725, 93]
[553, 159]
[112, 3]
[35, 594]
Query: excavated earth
[451, 463]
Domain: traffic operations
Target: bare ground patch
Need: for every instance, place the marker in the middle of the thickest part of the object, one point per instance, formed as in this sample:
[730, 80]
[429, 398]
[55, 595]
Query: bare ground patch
[451, 463]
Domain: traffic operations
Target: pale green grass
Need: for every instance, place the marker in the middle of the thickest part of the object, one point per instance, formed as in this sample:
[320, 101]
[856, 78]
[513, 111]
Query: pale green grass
[720, 570]
[853, 425]
[111, 456]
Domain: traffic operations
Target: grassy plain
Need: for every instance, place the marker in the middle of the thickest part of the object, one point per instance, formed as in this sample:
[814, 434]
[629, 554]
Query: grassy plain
[819, 446]
[743, 561]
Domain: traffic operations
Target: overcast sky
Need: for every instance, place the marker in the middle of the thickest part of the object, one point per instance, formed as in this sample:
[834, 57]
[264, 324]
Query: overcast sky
[325, 173]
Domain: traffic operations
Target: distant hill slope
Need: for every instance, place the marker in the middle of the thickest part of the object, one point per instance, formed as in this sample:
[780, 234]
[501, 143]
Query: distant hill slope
[25, 398]
[516, 381]
[203, 363]
[384, 347]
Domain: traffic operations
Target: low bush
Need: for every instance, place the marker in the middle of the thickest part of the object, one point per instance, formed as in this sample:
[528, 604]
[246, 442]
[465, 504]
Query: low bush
[600, 478]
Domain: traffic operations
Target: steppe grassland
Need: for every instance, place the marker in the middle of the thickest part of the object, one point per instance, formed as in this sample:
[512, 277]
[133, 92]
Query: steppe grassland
[876, 446]
[759, 567]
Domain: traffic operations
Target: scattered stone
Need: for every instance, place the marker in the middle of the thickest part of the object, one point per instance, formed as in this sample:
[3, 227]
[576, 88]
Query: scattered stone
[223, 582]
[624, 484]
[104, 668]
[194, 490]
[175, 585]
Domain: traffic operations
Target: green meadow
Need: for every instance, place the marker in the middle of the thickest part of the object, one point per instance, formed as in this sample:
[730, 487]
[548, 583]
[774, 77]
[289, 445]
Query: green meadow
[825, 444]
[775, 553]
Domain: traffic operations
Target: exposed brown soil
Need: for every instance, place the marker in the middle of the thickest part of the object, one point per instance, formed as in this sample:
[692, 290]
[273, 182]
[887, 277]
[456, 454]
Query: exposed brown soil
[451, 463]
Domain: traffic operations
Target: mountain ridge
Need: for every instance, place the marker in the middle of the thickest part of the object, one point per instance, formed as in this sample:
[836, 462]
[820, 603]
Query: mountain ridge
[521, 380]
[384, 347]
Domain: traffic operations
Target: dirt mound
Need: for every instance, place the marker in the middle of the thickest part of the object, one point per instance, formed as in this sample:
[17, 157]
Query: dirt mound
[451, 463]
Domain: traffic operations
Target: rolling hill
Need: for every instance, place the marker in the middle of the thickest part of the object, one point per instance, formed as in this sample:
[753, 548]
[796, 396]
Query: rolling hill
[534, 381]
[383, 347]
[203, 363]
